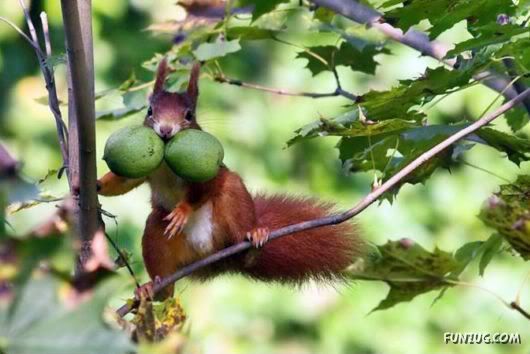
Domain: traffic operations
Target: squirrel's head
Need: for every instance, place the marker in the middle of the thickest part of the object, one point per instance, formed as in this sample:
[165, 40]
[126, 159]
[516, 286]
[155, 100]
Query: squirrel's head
[170, 112]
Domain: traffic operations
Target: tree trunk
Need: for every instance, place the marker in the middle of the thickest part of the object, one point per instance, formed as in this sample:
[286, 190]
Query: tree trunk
[77, 18]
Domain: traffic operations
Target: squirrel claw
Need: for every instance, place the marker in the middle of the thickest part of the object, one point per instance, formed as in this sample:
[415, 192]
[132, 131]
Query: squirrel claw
[177, 220]
[259, 236]
[147, 291]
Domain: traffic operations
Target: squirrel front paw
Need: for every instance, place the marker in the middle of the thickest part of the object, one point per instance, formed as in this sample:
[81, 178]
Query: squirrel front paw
[177, 219]
[259, 236]
[147, 291]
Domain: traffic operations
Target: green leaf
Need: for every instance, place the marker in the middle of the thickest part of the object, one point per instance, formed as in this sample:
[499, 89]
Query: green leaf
[388, 146]
[408, 269]
[55, 60]
[324, 15]
[40, 323]
[400, 101]
[492, 33]
[517, 149]
[349, 125]
[250, 33]
[345, 55]
[385, 146]
[491, 247]
[133, 101]
[517, 118]
[444, 14]
[118, 113]
[392, 153]
[519, 50]
[466, 254]
[261, 7]
[508, 212]
[473, 250]
[219, 48]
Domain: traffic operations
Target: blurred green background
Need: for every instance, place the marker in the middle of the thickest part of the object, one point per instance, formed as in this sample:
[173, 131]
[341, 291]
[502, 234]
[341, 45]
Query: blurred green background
[235, 315]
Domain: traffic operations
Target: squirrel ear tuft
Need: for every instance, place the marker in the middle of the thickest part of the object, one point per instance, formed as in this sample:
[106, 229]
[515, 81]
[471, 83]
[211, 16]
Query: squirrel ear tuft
[161, 74]
[193, 85]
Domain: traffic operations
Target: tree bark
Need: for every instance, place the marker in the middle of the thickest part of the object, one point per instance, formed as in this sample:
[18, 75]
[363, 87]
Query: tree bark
[77, 18]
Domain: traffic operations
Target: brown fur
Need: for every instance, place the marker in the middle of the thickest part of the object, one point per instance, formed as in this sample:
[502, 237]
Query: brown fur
[321, 253]
[111, 184]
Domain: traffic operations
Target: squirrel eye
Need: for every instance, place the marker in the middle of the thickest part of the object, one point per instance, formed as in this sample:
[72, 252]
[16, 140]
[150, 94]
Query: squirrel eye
[150, 111]
[189, 115]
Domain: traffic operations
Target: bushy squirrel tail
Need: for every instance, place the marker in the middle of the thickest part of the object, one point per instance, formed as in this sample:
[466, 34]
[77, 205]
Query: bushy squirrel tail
[322, 253]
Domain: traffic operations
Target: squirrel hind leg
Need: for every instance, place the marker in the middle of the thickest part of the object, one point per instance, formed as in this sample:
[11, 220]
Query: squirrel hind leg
[163, 256]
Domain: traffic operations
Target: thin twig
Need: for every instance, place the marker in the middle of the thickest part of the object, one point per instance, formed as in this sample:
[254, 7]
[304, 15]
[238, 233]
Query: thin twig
[417, 40]
[31, 27]
[521, 287]
[49, 79]
[19, 30]
[282, 92]
[499, 95]
[486, 171]
[123, 258]
[518, 85]
[305, 49]
[514, 305]
[337, 92]
[337, 218]
[46, 32]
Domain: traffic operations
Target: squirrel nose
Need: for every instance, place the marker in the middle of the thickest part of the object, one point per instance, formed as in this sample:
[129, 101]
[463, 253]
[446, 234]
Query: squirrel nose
[165, 131]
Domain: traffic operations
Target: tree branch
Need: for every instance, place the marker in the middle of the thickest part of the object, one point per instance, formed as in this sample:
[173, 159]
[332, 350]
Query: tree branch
[77, 18]
[338, 91]
[337, 218]
[49, 78]
[417, 40]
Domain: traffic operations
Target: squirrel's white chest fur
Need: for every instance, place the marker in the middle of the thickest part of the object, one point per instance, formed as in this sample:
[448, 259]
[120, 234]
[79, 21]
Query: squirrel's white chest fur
[199, 229]
[167, 189]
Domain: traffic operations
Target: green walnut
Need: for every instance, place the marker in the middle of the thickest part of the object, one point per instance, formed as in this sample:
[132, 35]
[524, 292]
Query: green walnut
[194, 155]
[134, 152]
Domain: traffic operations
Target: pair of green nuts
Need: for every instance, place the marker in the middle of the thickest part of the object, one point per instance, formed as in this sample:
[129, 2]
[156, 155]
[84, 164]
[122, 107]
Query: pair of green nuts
[137, 151]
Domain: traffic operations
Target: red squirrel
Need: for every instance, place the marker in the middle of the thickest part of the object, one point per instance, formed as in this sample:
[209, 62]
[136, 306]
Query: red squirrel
[192, 220]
